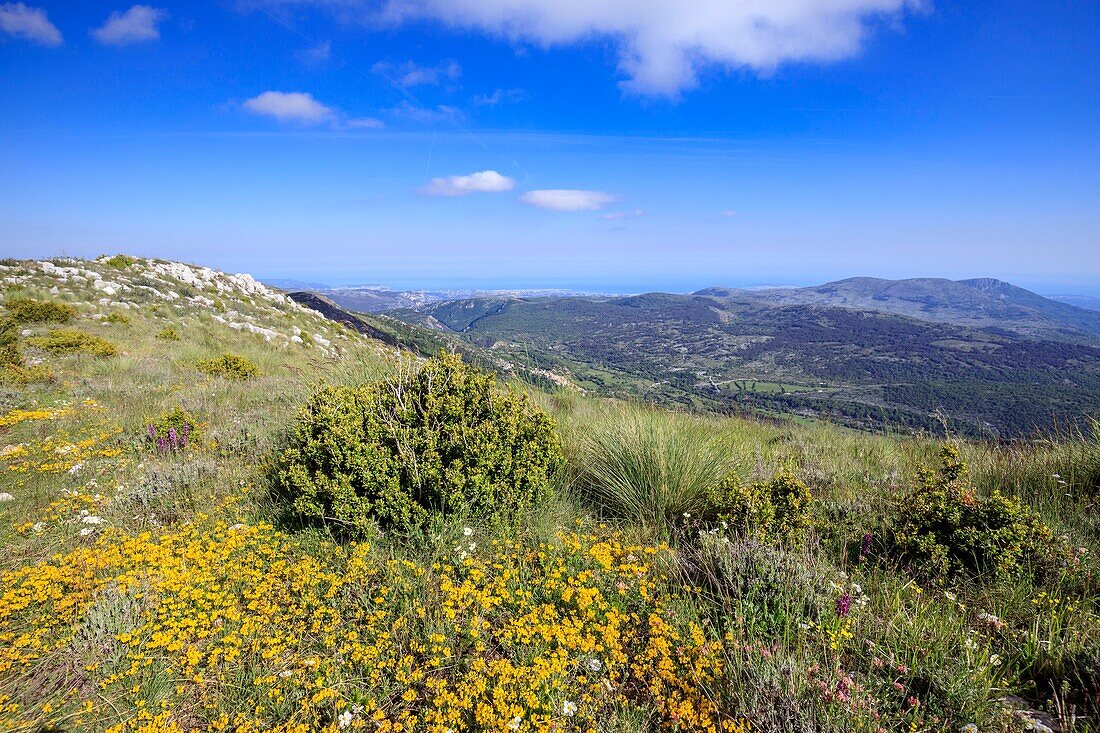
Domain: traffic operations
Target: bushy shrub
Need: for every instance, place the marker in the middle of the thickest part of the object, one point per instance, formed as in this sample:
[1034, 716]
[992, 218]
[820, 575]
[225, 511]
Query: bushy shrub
[944, 529]
[120, 261]
[229, 366]
[70, 341]
[116, 317]
[438, 438]
[27, 310]
[649, 466]
[778, 509]
[168, 333]
[173, 431]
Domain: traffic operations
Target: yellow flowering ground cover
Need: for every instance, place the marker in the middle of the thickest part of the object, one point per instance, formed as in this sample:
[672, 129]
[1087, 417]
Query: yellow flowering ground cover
[173, 630]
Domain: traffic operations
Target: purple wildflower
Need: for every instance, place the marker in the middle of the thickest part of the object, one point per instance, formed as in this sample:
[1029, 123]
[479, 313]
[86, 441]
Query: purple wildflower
[173, 439]
[865, 549]
[152, 432]
[844, 604]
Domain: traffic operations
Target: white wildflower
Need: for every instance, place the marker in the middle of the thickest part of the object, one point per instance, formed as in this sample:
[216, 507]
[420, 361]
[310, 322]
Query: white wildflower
[515, 723]
[344, 719]
[569, 708]
[38, 526]
[92, 519]
[6, 497]
[595, 665]
[87, 531]
[969, 728]
[466, 531]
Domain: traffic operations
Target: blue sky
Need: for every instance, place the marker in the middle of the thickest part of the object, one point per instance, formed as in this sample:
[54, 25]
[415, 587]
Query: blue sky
[658, 144]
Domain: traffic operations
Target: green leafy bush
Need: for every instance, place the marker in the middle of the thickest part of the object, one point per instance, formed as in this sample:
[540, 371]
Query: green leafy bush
[120, 261]
[944, 529]
[27, 310]
[229, 366]
[70, 341]
[116, 317]
[438, 438]
[780, 508]
[169, 334]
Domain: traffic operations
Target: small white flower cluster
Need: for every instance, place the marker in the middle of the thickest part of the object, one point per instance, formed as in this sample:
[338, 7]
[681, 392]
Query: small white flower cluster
[1034, 724]
[464, 552]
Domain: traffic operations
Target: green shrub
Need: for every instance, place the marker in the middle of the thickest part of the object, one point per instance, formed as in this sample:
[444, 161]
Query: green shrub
[438, 438]
[780, 508]
[649, 466]
[21, 375]
[120, 261]
[116, 317]
[70, 341]
[173, 431]
[944, 529]
[169, 334]
[229, 366]
[27, 310]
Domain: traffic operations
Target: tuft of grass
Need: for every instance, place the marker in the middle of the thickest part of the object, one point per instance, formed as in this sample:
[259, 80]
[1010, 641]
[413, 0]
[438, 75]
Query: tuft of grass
[71, 341]
[229, 366]
[650, 467]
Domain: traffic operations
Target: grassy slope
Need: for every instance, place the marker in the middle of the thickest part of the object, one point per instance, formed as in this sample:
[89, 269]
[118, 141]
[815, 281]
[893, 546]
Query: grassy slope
[187, 609]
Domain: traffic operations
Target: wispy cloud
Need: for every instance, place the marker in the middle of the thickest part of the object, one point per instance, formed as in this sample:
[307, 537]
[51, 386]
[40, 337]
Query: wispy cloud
[414, 113]
[620, 215]
[315, 55]
[729, 213]
[480, 182]
[136, 25]
[16, 19]
[411, 74]
[499, 96]
[663, 44]
[567, 199]
[364, 123]
[298, 107]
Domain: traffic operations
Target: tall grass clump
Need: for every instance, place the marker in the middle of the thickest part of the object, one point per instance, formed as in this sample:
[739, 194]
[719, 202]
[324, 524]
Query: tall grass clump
[650, 467]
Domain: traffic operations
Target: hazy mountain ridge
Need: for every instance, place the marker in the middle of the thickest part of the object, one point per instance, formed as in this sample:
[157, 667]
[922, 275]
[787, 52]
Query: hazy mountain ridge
[982, 303]
[733, 351]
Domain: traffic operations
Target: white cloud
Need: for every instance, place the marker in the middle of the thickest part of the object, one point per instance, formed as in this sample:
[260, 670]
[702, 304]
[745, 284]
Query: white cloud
[290, 107]
[566, 199]
[730, 214]
[411, 74]
[136, 25]
[480, 182]
[663, 44]
[18, 20]
[620, 215]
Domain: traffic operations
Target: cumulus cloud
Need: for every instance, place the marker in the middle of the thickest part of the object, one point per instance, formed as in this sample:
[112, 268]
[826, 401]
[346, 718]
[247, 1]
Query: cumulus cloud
[411, 74]
[16, 19]
[480, 182]
[136, 25]
[567, 199]
[663, 45]
[620, 215]
[290, 107]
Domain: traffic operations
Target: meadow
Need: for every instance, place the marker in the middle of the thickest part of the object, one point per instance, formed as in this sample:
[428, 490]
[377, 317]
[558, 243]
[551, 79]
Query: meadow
[673, 571]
